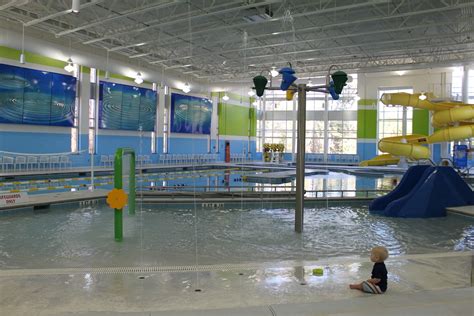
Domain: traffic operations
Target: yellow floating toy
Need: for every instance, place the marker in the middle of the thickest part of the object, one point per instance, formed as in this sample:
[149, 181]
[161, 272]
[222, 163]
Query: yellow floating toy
[318, 271]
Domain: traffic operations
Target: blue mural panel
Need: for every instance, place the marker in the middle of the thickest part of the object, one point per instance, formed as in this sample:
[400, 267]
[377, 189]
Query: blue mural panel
[29, 96]
[124, 107]
[190, 115]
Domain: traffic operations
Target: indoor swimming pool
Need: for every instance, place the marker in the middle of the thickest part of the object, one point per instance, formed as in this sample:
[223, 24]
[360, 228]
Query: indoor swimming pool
[207, 179]
[72, 237]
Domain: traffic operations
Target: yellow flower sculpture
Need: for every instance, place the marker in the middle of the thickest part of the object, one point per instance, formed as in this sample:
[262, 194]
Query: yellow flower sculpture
[117, 198]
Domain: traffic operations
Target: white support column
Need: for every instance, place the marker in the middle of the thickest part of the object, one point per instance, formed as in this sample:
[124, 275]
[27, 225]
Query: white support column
[444, 154]
[293, 134]
[263, 124]
[465, 84]
[326, 126]
[215, 123]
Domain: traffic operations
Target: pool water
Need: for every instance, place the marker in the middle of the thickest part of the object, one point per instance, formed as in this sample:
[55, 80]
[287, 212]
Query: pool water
[209, 180]
[172, 236]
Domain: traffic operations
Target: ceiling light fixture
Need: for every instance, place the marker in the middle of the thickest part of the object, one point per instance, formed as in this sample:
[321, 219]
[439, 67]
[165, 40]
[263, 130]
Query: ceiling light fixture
[70, 65]
[76, 4]
[274, 72]
[225, 97]
[186, 88]
[138, 78]
[422, 96]
[106, 76]
[22, 55]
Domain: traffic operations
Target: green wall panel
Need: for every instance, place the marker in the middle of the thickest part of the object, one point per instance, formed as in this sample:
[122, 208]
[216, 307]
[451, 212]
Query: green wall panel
[421, 122]
[367, 124]
[11, 53]
[235, 120]
[367, 102]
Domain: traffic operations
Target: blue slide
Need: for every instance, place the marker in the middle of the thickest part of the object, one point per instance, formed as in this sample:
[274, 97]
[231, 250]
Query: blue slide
[424, 191]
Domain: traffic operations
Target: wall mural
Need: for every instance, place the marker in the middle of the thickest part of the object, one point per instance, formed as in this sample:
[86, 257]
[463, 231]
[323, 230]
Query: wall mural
[190, 114]
[29, 96]
[123, 107]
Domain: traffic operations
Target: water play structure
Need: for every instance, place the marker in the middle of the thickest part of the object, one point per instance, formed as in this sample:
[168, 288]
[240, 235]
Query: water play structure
[424, 191]
[452, 121]
[118, 187]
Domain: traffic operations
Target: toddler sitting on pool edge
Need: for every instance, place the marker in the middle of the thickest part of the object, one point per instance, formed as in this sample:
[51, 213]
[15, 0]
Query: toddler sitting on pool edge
[377, 284]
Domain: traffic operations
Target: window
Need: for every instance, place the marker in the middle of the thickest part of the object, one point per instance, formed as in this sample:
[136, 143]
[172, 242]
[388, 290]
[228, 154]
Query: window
[342, 137]
[277, 124]
[347, 99]
[456, 88]
[315, 136]
[391, 118]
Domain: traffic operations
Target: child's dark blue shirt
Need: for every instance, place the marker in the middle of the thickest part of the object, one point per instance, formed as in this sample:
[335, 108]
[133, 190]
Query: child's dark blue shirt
[379, 271]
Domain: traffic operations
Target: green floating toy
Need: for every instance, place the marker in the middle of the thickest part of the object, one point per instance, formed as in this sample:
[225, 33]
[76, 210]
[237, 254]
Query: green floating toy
[318, 271]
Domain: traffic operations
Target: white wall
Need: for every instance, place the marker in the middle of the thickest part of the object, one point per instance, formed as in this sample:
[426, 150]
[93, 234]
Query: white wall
[427, 80]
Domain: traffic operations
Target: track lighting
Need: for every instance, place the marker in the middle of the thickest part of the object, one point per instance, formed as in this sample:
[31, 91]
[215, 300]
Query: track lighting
[138, 78]
[186, 88]
[274, 72]
[76, 4]
[70, 66]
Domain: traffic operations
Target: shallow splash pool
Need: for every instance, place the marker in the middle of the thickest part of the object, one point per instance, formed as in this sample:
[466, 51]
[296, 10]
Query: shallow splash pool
[63, 237]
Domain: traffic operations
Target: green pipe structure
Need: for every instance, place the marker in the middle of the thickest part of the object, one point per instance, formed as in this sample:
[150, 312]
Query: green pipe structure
[118, 184]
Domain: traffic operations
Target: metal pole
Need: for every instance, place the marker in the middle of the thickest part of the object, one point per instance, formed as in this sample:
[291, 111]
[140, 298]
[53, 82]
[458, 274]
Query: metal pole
[300, 172]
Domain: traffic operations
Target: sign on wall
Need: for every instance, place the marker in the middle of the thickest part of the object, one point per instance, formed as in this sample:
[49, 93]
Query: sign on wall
[36, 97]
[124, 107]
[191, 115]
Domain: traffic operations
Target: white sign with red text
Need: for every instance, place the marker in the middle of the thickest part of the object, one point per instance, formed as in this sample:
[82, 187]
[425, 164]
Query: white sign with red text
[7, 199]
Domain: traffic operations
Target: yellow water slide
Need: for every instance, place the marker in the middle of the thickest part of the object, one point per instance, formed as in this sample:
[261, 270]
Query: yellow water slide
[454, 121]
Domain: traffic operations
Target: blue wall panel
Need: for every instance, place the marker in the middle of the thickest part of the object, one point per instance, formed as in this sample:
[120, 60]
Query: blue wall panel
[108, 144]
[366, 150]
[187, 146]
[37, 143]
[436, 153]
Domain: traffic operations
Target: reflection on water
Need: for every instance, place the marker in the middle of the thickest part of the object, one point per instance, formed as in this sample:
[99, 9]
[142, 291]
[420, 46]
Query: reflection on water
[160, 236]
[214, 180]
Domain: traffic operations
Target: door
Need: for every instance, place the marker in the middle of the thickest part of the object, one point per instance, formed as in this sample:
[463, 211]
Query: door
[227, 152]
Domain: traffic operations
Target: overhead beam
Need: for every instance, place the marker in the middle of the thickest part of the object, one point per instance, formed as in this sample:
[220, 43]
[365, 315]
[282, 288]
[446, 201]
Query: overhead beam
[331, 59]
[184, 19]
[120, 16]
[365, 44]
[338, 25]
[330, 38]
[13, 3]
[61, 13]
[324, 11]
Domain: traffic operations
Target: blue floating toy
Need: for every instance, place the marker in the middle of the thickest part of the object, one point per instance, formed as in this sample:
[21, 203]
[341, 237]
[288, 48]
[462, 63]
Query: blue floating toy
[332, 91]
[288, 78]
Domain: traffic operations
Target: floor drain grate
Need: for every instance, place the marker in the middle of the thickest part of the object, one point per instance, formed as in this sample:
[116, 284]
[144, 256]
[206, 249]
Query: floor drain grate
[129, 270]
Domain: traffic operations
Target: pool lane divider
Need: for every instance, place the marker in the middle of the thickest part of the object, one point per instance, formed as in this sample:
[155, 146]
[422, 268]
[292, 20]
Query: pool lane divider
[145, 175]
[98, 184]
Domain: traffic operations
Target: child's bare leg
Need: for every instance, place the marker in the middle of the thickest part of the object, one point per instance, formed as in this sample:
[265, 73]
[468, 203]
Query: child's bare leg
[356, 286]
